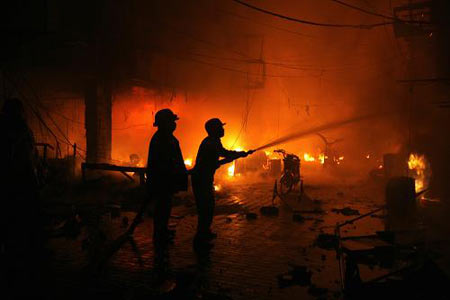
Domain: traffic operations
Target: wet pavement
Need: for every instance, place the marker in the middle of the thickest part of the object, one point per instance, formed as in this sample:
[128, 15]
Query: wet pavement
[249, 260]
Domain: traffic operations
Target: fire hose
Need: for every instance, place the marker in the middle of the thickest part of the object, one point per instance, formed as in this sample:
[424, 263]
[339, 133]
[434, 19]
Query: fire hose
[314, 130]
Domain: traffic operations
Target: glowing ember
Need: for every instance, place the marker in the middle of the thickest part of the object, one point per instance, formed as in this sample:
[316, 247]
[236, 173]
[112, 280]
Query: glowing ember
[322, 158]
[271, 155]
[419, 168]
[368, 156]
[311, 158]
[188, 162]
[341, 158]
[217, 187]
[308, 157]
[231, 169]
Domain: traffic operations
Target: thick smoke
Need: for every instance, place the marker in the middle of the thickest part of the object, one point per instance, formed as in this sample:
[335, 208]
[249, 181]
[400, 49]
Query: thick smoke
[263, 76]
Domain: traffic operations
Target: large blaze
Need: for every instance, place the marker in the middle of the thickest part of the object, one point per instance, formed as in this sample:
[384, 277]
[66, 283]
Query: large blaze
[340, 105]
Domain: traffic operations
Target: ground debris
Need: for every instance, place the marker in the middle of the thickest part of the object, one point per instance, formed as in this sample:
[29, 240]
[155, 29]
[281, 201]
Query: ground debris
[296, 217]
[326, 241]
[346, 211]
[298, 275]
[377, 216]
[125, 222]
[115, 210]
[269, 210]
[178, 217]
[315, 291]
[70, 228]
[251, 216]
[311, 211]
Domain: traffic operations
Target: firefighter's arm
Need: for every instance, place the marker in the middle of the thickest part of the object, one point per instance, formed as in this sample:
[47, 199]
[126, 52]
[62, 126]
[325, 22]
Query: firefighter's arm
[232, 155]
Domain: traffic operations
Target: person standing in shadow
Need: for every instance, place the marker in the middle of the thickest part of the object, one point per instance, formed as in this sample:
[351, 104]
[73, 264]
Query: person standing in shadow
[21, 244]
[206, 164]
[166, 175]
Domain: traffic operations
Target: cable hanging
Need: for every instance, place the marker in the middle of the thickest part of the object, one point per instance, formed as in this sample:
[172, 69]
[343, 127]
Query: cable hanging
[354, 26]
[41, 120]
[372, 13]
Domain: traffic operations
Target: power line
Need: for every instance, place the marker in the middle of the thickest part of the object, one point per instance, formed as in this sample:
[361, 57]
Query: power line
[84, 124]
[235, 70]
[265, 24]
[190, 59]
[363, 10]
[48, 114]
[295, 66]
[206, 42]
[354, 26]
[246, 58]
[256, 61]
[41, 120]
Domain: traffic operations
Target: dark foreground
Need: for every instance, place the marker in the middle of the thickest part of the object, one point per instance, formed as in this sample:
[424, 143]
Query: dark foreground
[254, 256]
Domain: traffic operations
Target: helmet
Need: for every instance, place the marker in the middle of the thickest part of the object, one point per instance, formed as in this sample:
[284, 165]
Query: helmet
[163, 116]
[213, 125]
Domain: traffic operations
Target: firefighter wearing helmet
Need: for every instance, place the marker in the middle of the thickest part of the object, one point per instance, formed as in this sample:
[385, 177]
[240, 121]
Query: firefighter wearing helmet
[207, 162]
[166, 173]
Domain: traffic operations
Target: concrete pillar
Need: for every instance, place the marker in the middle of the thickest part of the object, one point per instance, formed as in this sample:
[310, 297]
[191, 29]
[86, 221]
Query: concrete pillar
[98, 103]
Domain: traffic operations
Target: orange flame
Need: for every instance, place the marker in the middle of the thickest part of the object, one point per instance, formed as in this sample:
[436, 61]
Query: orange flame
[188, 162]
[231, 169]
[308, 157]
[418, 165]
[322, 158]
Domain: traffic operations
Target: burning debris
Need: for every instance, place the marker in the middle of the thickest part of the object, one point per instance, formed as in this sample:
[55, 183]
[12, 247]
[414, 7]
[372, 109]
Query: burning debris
[420, 170]
[188, 162]
[217, 187]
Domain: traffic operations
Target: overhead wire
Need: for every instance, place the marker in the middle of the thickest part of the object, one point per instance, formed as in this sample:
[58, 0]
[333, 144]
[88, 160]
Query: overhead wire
[245, 113]
[267, 25]
[246, 58]
[165, 51]
[255, 61]
[234, 70]
[200, 40]
[291, 66]
[84, 124]
[312, 23]
[41, 120]
[366, 11]
[39, 103]
[363, 10]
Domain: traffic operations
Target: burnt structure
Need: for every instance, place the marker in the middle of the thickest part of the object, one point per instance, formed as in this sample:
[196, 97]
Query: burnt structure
[98, 122]
[202, 58]
[425, 84]
[87, 49]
